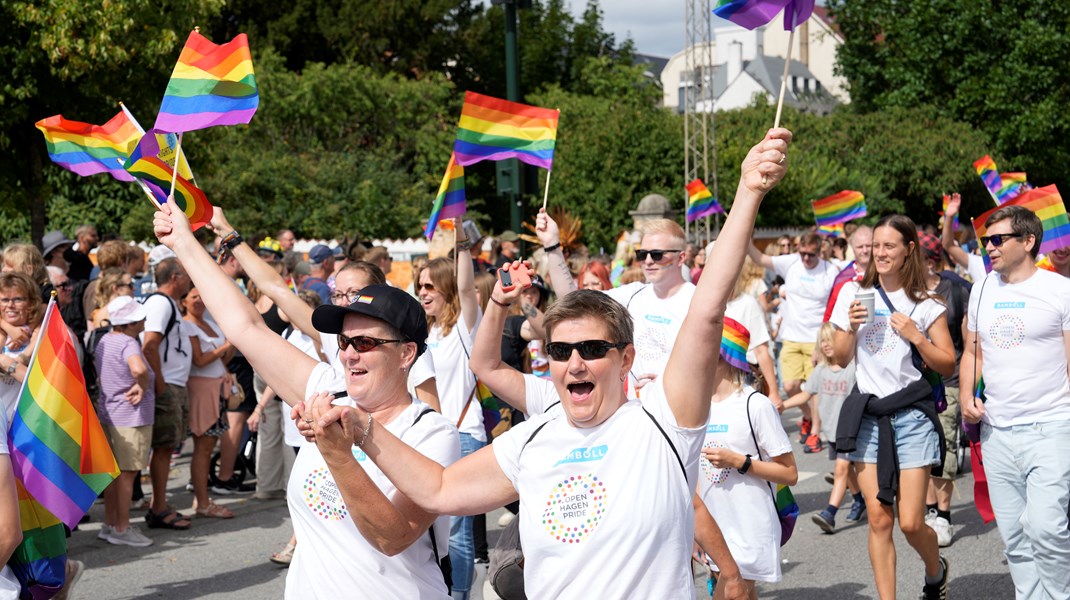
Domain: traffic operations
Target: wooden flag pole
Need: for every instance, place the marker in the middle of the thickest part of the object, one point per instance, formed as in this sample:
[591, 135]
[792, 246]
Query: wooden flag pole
[546, 192]
[783, 87]
[174, 171]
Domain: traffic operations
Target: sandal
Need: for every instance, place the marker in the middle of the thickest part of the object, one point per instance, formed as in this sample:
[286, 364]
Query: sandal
[284, 556]
[161, 521]
[215, 511]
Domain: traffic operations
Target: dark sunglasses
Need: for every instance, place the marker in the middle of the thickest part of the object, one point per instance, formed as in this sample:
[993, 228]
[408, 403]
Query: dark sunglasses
[807, 254]
[657, 255]
[588, 349]
[427, 287]
[362, 343]
[66, 285]
[998, 239]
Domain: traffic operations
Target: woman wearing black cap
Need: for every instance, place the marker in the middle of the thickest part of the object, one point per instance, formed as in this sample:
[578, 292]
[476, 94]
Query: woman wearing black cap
[357, 531]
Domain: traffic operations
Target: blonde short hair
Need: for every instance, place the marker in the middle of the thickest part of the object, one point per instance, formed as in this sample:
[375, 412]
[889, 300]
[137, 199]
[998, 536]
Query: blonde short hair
[664, 226]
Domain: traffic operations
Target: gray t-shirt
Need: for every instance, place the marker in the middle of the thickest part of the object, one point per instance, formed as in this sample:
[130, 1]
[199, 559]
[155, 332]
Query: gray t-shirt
[831, 387]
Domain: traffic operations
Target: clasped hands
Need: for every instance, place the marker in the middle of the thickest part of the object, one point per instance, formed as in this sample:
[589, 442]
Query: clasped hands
[334, 429]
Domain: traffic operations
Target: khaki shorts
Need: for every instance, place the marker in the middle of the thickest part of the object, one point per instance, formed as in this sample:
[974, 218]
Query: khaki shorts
[949, 421]
[130, 445]
[795, 360]
[172, 410]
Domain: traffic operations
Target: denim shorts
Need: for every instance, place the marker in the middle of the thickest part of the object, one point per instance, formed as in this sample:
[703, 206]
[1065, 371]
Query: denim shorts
[916, 440]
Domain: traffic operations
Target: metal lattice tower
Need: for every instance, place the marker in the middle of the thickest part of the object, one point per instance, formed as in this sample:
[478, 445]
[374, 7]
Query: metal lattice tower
[698, 99]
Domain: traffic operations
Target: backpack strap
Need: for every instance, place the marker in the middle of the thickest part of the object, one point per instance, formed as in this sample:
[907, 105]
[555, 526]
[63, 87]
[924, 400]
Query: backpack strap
[172, 320]
[757, 448]
[671, 445]
[915, 355]
[551, 406]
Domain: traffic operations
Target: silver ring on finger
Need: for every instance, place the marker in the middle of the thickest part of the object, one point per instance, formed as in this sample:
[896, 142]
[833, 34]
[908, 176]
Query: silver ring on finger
[783, 157]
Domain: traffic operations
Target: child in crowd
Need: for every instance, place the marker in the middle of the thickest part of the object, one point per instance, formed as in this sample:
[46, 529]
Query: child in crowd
[829, 385]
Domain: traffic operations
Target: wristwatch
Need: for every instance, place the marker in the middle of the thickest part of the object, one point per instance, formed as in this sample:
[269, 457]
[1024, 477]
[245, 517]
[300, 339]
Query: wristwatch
[11, 368]
[746, 466]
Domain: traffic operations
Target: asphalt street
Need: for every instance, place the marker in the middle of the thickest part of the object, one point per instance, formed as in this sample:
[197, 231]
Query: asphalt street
[229, 558]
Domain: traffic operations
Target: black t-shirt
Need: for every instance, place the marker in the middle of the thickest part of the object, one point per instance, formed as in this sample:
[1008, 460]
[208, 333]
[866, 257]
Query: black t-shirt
[956, 293]
[513, 344]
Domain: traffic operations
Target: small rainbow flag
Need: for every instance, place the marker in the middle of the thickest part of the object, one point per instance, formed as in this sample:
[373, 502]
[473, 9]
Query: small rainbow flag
[211, 85]
[735, 339]
[840, 208]
[1010, 186]
[495, 129]
[700, 202]
[88, 149]
[146, 164]
[943, 211]
[752, 14]
[449, 201]
[831, 230]
[1048, 206]
[986, 170]
[1046, 264]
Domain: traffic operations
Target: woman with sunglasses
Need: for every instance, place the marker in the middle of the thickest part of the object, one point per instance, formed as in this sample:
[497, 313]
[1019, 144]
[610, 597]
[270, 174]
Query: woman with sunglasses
[447, 292]
[357, 531]
[20, 309]
[587, 473]
[889, 426]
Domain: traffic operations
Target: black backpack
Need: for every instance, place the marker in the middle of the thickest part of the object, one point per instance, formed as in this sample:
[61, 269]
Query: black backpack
[172, 320]
[89, 364]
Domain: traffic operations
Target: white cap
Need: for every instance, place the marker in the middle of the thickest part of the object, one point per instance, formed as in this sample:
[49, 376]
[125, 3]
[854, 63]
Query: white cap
[159, 254]
[124, 310]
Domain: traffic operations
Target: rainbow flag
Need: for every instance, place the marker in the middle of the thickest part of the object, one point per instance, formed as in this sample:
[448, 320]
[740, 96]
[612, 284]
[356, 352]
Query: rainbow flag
[839, 208]
[986, 169]
[88, 149]
[735, 339]
[494, 129]
[1010, 186]
[943, 211]
[700, 202]
[39, 561]
[146, 164]
[1046, 264]
[1048, 206]
[211, 85]
[831, 230]
[450, 201]
[752, 14]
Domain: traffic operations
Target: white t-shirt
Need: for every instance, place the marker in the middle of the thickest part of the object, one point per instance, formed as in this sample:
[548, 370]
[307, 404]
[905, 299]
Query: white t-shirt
[807, 292]
[1021, 328]
[333, 560]
[975, 267]
[290, 435]
[329, 344]
[216, 368]
[9, 386]
[746, 310]
[656, 321]
[454, 380]
[743, 505]
[9, 584]
[883, 360]
[608, 507]
[176, 357]
[540, 396]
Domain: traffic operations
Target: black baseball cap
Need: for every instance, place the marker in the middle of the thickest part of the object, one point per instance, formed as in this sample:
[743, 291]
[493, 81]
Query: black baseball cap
[386, 303]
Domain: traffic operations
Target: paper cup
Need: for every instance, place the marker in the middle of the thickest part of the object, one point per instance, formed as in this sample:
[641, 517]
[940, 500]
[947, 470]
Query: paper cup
[866, 298]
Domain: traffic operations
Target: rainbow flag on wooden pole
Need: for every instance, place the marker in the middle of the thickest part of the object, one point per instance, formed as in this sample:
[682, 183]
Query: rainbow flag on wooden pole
[1048, 206]
[839, 208]
[450, 200]
[700, 202]
[145, 164]
[59, 454]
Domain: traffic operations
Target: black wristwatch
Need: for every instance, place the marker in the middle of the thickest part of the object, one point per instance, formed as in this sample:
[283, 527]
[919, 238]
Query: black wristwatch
[746, 466]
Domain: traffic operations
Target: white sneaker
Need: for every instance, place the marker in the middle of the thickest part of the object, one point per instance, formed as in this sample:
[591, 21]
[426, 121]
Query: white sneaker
[944, 531]
[105, 531]
[131, 537]
[930, 517]
[506, 519]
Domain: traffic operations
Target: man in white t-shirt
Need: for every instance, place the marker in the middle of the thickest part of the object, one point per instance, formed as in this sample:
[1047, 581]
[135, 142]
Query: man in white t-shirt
[587, 473]
[658, 306]
[170, 356]
[357, 532]
[1018, 337]
[808, 281]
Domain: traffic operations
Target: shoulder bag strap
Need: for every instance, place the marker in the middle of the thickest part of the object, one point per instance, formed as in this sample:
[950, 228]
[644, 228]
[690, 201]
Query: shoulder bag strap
[915, 355]
[671, 445]
[758, 449]
[467, 404]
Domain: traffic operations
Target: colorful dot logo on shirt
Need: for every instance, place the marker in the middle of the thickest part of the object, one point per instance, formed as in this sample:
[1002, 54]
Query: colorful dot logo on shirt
[713, 474]
[322, 496]
[652, 343]
[879, 339]
[1007, 331]
[574, 508]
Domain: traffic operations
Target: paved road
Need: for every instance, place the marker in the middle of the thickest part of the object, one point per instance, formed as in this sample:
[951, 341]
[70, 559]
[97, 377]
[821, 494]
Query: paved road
[228, 559]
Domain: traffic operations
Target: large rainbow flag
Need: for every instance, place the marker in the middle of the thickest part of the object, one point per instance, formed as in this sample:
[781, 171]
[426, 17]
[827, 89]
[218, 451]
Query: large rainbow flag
[146, 164]
[88, 149]
[752, 14]
[1048, 206]
[59, 454]
[839, 208]
[495, 129]
[450, 200]
[700, 202]
[211, 85]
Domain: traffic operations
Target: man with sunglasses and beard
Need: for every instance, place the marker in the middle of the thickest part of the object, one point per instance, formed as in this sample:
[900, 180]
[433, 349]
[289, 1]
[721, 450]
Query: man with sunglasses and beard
[358, 534]
[1018, 337]
[608, 481]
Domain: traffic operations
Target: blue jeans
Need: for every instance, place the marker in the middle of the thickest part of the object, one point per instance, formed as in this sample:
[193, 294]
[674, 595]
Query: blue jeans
[1028, 469]
[462, 546]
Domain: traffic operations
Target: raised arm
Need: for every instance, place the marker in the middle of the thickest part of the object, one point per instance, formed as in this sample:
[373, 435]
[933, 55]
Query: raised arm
[687, 388]
[947, 237]
[285, 368]
[757, 256]
[561, 280]
[506, 382]
[267, 279]
[466, 286]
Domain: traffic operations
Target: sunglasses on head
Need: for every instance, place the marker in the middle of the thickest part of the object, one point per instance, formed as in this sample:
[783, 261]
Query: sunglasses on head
[997, 239]
[362, 343]
[588, 349]
[657, 255]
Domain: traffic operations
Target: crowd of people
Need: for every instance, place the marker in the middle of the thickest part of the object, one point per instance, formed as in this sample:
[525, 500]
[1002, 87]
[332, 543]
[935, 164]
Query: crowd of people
[393, 420]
